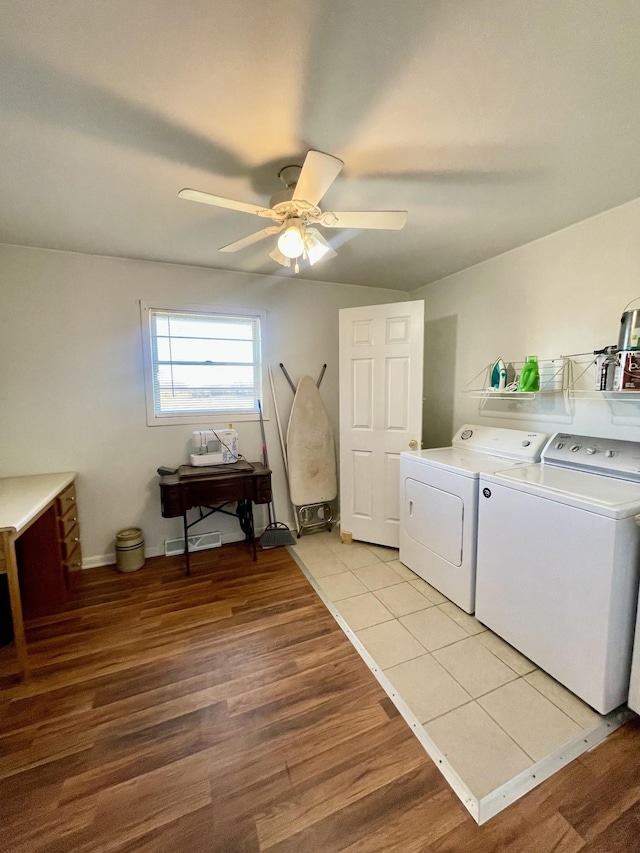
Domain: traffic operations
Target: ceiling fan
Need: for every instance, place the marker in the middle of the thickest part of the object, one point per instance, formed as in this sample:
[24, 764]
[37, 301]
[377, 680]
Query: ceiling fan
[295, 209]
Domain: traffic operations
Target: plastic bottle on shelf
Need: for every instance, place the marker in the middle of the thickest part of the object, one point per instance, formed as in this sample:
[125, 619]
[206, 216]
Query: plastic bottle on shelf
[606, 364]
[530, 376]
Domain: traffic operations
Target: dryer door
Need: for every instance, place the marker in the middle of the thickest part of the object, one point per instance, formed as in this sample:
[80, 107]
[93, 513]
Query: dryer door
[434, 518]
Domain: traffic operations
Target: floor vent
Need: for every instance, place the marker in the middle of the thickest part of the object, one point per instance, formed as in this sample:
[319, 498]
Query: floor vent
[196, 543]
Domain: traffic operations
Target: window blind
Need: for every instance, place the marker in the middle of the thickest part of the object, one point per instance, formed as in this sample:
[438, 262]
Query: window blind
[205, 363]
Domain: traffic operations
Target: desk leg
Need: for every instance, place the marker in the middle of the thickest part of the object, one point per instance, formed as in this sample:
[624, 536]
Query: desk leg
[16, 604]
[245, 519]
[253, 532]
[186, 542]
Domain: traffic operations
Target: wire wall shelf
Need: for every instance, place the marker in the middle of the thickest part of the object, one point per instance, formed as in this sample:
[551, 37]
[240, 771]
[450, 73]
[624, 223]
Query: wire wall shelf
[555, 378]
[584, 384]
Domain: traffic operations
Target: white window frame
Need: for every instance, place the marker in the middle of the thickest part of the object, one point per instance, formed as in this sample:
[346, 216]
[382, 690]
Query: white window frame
[197, 418]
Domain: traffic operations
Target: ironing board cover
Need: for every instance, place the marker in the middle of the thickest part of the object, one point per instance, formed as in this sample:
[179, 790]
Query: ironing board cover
[311, 452]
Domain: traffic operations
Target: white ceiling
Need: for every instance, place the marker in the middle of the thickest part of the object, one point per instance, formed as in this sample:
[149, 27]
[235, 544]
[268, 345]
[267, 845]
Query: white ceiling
[492, 122]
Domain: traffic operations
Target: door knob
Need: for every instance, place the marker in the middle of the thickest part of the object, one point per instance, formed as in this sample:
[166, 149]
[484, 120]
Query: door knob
[413, 444]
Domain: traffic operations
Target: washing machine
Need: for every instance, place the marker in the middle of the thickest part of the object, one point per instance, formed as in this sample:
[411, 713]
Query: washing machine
[559, 562]
[439, 503]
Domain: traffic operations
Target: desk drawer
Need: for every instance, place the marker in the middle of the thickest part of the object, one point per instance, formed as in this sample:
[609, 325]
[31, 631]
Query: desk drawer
[67, 522]
[70, 542]
[73, 563]
[66, 500]
[263, 490]
[209, 492]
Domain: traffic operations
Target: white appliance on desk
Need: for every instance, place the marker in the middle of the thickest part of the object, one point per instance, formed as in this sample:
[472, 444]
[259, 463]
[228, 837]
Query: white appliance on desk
[559, 562]
[214, 447]
[439, 503]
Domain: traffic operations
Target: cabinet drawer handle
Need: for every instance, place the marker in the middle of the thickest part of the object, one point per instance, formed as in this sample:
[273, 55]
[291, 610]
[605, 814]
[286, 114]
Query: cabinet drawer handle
[77, 539]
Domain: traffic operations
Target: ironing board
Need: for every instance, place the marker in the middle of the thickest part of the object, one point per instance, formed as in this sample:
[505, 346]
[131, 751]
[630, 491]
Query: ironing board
[311, 453]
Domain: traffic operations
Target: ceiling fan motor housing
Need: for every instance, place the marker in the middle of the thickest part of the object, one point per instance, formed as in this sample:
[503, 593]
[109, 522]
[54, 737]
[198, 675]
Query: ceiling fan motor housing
[289, 176]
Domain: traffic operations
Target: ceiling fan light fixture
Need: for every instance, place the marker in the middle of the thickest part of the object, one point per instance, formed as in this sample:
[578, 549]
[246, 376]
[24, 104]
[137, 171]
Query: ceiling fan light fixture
[292, 240]
[279, 258]
[317, 247]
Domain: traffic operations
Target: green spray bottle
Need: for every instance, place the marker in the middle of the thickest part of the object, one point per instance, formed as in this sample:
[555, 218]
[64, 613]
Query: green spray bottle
[530, 376]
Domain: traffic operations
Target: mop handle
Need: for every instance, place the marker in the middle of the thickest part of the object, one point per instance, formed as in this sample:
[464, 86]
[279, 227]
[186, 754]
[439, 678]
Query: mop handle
[264, 438]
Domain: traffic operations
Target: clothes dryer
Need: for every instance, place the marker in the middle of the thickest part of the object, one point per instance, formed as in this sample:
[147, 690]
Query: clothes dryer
[559, 562]
[439, 503]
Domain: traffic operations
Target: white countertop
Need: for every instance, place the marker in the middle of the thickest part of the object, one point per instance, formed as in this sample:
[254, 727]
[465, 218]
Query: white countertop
[22, 498]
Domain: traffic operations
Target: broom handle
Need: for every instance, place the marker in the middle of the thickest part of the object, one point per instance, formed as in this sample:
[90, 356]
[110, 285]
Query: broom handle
[265, 458]
[275, 407]
[289, 379]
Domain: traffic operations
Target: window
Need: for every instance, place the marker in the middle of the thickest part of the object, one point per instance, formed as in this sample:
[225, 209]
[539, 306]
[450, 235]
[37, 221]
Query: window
[201, 364]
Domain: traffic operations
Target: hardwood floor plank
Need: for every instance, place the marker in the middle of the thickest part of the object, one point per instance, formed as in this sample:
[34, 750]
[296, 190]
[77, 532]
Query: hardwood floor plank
[356, 773]
[554, 834]
[404, 815]
[120, 759]
[602, 803]
[198, 832]
[32, 791]
[54, 826]
[622, 834]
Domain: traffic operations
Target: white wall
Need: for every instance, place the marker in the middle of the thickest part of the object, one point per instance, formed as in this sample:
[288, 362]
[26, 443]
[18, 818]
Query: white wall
[72, 390]
[71, 385]
[560, 295]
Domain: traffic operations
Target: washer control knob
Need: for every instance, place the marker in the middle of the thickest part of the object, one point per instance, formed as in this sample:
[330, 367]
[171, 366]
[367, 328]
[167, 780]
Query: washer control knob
[526, 443]
[575, 448]
[610, 454]
[560, 445]
[591, 450]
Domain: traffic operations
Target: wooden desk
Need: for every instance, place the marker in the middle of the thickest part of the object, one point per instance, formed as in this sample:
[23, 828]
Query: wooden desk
[29, 520]
[214, 490]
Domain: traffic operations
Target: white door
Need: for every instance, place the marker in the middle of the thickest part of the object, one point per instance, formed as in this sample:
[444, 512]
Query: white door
[381, 355]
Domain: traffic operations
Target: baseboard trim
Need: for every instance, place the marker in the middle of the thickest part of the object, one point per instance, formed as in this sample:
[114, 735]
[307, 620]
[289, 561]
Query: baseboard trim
[153, 551]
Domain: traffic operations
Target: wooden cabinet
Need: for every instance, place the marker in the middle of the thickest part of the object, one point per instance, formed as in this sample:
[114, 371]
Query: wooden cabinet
[48, 553]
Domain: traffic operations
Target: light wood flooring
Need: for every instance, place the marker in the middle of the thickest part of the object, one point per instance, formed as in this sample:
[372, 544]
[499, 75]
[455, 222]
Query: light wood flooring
[228, 712]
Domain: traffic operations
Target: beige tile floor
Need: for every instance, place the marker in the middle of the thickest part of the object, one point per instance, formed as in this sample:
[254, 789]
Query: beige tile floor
[489, 710]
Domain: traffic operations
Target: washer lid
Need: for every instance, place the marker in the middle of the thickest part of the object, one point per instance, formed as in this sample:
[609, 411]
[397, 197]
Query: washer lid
[463, 462]
[607, 496]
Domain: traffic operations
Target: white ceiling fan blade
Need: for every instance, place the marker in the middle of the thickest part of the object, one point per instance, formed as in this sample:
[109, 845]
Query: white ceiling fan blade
[252, 238]
[219, 201]
[319, 171]
[392, 220]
